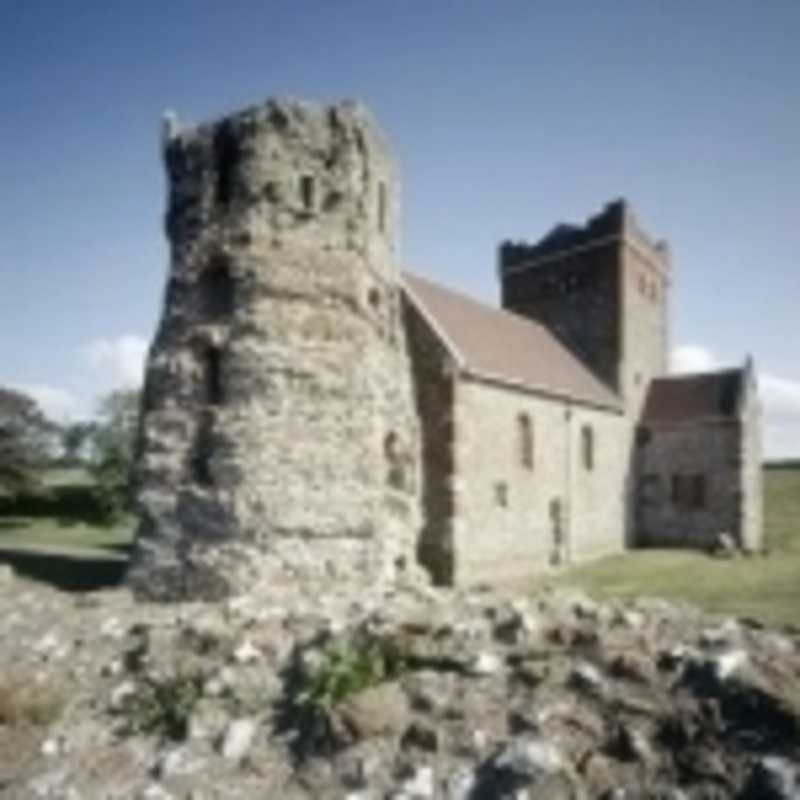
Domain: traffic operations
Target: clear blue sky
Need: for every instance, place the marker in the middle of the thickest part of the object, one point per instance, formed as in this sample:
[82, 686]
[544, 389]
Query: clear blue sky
[506, 117]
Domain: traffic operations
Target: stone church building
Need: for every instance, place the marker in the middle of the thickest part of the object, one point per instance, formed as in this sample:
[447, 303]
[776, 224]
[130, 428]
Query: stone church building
[310, 409]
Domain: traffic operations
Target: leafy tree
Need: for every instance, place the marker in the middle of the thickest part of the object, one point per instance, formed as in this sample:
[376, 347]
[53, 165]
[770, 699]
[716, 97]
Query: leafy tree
[112, 442]
[75, 438]
[25, 436]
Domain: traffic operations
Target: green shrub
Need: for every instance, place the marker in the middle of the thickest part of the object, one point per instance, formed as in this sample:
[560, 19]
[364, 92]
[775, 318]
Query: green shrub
[350, 666]
[163, 706]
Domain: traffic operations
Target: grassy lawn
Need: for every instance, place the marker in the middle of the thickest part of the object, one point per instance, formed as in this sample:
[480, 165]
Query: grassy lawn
[766, 588]
[57, 535]
[63, 515]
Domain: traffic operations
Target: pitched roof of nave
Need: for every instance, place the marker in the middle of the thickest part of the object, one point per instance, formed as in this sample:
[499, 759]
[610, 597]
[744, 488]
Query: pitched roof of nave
[501, 346]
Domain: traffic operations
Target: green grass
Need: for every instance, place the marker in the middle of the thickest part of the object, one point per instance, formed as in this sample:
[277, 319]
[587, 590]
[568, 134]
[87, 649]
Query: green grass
[64, 515]
[765, 588]
[58, 535]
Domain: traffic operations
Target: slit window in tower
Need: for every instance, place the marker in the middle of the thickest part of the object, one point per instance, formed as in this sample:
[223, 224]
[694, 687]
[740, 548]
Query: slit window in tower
[307, 192]
[226, 155]
[382, 207]
[216, 290]
[213, 377]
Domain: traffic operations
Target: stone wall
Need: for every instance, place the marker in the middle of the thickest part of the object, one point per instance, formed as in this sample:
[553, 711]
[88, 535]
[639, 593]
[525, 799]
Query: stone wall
[434, 378]
[516, 516]
[278, 411]
[645, 286]
[709, 450]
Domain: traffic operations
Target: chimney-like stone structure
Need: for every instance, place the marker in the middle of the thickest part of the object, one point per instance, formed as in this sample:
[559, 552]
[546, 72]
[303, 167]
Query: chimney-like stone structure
[279, 437]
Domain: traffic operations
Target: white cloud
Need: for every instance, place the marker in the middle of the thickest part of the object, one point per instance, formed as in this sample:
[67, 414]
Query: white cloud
[120, 360]
[692, 358]
[780, 400]
[57, 404]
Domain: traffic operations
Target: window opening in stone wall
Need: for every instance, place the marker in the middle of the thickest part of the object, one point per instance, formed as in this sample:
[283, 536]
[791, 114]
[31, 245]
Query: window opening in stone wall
[307, 192]
[226, 156]
[688, 491]
[382, 207]
[216, 291]
[587, 446]
[698, 491]
[501, 494]
[201, 460]
[396, 474]
[525, 432]
[212, 377]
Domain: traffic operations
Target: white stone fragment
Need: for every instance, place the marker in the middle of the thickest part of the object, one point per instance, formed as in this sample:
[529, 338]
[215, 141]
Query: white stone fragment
[485, 664]
[246, 653]
[727, 664]
[112, 628]
[239, 738]
[120, 693]
[50, 748]
[422, 784]
[155, 792]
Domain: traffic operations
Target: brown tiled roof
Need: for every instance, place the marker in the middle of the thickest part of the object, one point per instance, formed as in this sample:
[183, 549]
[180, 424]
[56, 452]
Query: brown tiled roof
[681, 398]
[498, 345]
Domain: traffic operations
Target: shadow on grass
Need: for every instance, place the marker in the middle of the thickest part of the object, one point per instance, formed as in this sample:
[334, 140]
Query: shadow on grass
[69, 574]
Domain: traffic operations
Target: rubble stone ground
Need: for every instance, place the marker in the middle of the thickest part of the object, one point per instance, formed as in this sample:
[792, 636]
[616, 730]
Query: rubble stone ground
[550, 695]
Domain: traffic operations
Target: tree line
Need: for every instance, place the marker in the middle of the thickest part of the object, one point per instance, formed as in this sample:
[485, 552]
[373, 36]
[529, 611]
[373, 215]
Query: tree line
[31, 444]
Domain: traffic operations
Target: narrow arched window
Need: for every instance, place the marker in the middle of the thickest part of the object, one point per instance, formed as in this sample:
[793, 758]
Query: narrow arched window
[212, 377]
[382, 207]
[216, 291]
[525, 434]
[587, 446]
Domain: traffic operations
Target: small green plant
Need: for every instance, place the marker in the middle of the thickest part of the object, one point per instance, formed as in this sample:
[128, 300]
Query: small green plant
[163, 706]
[350, 666]
[33, 704]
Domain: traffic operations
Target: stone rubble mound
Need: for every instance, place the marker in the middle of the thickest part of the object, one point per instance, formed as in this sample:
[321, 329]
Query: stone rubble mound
[406, 694]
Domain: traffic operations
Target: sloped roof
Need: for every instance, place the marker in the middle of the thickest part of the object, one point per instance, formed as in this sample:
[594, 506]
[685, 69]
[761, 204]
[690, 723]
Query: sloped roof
[682, 398]
[498, 345]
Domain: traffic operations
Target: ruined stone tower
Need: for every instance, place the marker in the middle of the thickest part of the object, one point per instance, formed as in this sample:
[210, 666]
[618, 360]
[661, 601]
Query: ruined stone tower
[279, 437]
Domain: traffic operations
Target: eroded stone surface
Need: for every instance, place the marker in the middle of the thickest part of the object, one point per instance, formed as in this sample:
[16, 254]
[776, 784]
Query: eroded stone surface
[279, 435]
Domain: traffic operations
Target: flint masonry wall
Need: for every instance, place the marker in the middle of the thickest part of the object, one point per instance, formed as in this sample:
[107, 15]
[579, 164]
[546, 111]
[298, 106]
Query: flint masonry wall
[279, 433]
[687, 516]
[434, 374]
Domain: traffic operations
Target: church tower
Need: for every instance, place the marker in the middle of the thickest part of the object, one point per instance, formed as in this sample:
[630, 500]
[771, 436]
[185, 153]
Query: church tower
[603, 289]
[279, 435]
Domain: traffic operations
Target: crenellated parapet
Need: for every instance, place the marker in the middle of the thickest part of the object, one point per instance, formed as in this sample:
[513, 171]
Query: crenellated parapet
[616, 222]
